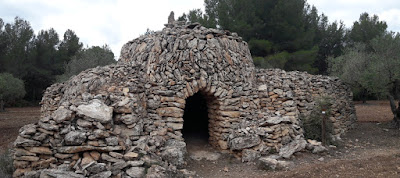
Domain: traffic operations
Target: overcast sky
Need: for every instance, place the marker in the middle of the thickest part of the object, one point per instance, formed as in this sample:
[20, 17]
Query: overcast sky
[115, 22]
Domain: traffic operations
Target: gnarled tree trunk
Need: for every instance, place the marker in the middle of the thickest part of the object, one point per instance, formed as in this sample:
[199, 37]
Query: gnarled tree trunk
[395, 110]
[1, 105]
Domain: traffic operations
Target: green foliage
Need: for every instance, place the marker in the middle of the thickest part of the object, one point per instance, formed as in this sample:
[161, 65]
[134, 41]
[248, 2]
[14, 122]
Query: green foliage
[34, 59]
[332, 38]
[87, 58]
[11, 88]
[18, 38]
[37, 60]
[6, 164]
[366, 29]
[68, 47]
[312, 124]
[273, 61]
[376, 72]
[260, 47]
[196, 15]
[302, 60]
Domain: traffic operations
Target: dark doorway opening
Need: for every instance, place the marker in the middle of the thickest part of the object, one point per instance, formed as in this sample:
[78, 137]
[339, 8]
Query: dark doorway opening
[195, 121]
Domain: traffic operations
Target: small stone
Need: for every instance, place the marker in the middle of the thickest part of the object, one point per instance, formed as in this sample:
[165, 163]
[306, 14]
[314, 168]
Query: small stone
[83, 123]
[27, 158]
[22, 152]
[93, 143]
[87, 158]
[119, 165]
[96, 167]
[116, 155]
[249, 155]
[136, 172]
[59, 173]
[49, 127]
[240, 143]
[75, 138]
[43, 163]
[170, 112]
[112, 141]
[272, 164]
[231, 114]
[108, 158]
[28, 129]
[61, 114]
[130, 155]
[20, 164]
[104, 174]
[129, 119]
[292, 147]
[175, 126]
[20, 141]
[95, 155]
[223, 144]
[135, 163]
[41, 150]
[63, 156]
[96, 110]
[20, 172]
[262, 88]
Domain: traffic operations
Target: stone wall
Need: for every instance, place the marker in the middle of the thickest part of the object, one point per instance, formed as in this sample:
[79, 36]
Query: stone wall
[127, 119]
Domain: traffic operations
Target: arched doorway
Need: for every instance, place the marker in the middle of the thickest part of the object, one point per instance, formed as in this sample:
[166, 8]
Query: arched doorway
[196, 121]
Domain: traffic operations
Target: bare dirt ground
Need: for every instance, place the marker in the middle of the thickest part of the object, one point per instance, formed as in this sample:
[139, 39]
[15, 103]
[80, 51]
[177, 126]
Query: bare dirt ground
[12, 120]
[371, 149]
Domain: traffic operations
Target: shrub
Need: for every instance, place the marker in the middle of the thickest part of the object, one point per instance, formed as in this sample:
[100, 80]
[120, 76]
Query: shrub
[312, 124]
[6, 164]
[11, 89]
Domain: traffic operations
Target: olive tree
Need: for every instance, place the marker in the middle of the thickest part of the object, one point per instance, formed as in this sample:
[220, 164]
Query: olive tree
[87, 58]
[377, 70]
[11, 89]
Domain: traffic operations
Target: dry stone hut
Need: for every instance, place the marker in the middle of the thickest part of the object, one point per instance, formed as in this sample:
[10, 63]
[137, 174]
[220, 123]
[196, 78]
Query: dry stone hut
[130, 119]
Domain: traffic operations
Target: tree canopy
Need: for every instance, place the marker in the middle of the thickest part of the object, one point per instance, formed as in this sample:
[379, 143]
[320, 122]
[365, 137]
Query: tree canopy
[38, 59]
[88, 58]
[373, 68]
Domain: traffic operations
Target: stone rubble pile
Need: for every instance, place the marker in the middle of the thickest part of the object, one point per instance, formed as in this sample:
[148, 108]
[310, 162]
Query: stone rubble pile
[126, 119]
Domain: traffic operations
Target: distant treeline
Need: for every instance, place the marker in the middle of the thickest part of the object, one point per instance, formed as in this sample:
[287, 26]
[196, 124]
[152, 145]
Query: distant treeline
[41, 60]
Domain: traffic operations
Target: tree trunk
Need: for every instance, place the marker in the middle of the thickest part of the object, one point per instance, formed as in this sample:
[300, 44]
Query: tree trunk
[364, 95]
[323, 129]
[1, 106]
[395, 111]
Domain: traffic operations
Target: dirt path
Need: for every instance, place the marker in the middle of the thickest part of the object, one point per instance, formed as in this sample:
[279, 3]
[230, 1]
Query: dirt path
[372, 149]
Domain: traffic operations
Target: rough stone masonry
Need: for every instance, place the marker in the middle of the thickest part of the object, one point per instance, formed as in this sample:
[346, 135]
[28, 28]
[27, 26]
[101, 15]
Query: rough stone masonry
[126, 120]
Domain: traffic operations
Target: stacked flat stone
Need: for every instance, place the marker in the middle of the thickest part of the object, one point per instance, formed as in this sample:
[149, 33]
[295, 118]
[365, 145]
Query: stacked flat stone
[126, 120]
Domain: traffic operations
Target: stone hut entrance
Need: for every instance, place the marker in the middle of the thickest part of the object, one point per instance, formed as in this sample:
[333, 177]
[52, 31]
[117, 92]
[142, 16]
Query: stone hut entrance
[195, 121]
[199, 126]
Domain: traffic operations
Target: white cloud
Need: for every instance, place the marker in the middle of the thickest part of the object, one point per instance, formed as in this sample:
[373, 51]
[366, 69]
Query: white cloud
[349, 10]
[97, 22]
